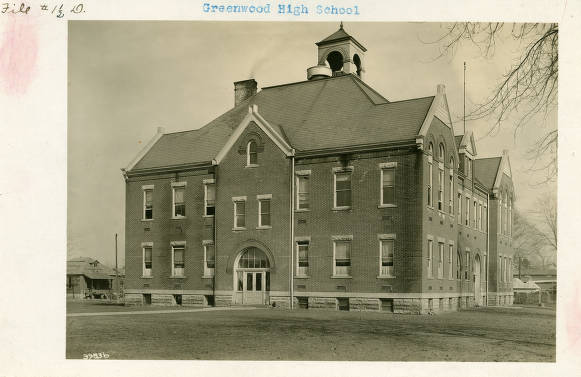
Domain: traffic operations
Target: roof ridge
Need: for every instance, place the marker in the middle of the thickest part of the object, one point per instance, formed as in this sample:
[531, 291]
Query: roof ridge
[179, 132]
[305, 81]
[360, 81]
[405, 100]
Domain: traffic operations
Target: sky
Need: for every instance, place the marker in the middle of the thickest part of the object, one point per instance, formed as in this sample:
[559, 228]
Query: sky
[126, 78]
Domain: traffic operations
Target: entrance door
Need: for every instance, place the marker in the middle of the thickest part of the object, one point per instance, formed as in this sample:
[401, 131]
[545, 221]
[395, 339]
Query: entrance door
[254, 288]
[252, 278]
[477, 284]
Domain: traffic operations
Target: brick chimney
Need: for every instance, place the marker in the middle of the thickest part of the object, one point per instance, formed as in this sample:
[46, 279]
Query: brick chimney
[243, 90]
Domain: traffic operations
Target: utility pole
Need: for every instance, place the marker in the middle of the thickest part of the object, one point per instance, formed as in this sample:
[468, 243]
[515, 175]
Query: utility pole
[116, 269]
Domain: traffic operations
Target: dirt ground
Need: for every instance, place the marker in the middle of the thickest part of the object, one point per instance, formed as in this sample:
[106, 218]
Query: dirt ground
[489, 334]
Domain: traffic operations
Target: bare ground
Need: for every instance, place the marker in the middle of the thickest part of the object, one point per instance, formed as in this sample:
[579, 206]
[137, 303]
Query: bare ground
[489, 334]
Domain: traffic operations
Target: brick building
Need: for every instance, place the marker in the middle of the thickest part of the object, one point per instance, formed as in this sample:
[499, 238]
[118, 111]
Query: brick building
[320, 194]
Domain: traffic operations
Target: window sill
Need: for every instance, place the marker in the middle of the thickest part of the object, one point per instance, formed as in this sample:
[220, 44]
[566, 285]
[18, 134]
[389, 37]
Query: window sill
[147, 277]
[387, 206]
[344, 208]
[302, 210]
[301, 276]
[252, 166]
[178, 277]
[341, 277]
[385, 277]
[238, 229]
[262, 227]
[207, 216]
[146, 220]
[207, 276]
[178, 217]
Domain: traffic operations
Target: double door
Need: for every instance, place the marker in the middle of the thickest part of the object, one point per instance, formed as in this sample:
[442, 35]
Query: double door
[253, 287]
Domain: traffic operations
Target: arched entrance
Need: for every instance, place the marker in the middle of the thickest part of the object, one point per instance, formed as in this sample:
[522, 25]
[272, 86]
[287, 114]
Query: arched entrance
[477, 282]
[251, 277]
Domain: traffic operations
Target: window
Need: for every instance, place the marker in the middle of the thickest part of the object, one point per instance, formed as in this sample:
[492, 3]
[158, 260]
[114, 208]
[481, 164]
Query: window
[178, 259]
[485, 218]
[499, 215]
[451, 181]
[467, 219]
[504, 217]
[441, 189]
[239, 212]
[303, 189]
[440, 260]
[458, 266]
[264, 213]
[210, 198]
[209, 258]
[386, 258]
[179, 205]
[430, 175]
[148, 202]
[474, 206]
[441, 152]
[251, 154]
[467, 266]
[459, 209]
[147, 259]
[450, 261]
[387, 186]
[342, 258]
[430, 257]
[509, 217]
[302, 258]
[343, 189]
[480, 216]
[500, 269]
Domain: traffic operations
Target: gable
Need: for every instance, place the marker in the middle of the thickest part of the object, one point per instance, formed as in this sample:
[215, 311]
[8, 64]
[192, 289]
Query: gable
[256, 120]
[337, 112]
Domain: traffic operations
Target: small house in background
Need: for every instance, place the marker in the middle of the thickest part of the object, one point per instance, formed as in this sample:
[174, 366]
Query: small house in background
[520, 286]
[89, 278]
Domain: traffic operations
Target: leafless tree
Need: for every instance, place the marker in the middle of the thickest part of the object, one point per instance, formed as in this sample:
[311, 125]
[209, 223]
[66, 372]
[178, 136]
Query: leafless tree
[547, 215]
[527, 240]
[529, 86]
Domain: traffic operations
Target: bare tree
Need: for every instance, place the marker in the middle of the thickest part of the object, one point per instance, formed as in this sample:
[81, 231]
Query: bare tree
[527, 240]
[547, 215]
[529, 86]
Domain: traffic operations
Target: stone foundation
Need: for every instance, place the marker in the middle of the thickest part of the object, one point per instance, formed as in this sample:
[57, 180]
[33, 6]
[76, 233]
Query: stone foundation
[194, 300]
[326, 303]
[223, 300]
[407, 306]
[364, 304]
[281, 302]
[133, 299]
[163, 300]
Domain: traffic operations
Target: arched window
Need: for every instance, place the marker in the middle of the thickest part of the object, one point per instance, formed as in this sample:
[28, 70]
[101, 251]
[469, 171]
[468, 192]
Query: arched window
[357, 62]
[451, 192]
[458, 265]
[430, 175]
[441, 152]
[253, 257]
[251, 154]
[335, 60]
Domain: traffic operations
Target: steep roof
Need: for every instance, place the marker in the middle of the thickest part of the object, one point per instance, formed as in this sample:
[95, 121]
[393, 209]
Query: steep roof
[310, 115]
[486, 169]
[340, 35]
